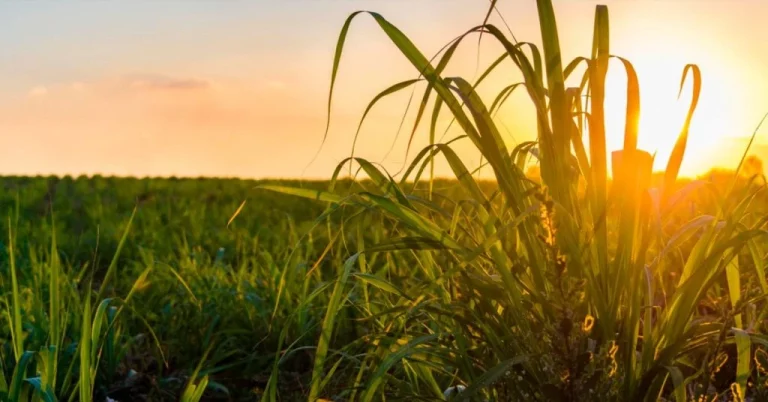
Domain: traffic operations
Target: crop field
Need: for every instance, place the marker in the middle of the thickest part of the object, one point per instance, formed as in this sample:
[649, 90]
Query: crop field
[563, 278]
[176, 288]
[192, 290]
[188, 287]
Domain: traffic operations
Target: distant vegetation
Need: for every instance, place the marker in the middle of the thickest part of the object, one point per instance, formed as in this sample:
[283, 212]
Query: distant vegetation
[548, 283]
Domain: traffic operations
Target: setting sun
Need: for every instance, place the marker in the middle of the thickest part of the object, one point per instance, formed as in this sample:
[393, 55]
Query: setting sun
[726, 114]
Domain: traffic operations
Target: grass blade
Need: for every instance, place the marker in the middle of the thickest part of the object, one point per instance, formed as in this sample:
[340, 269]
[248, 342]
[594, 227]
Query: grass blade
[326, 332]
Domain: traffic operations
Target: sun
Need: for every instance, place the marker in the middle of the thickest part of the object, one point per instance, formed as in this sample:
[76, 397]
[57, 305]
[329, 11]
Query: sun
[662, 115]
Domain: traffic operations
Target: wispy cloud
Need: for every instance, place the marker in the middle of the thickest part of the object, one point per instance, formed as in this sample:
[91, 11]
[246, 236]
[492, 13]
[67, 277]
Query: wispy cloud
[275, 84]
[38, 91]
[164, 82]
[169, 123]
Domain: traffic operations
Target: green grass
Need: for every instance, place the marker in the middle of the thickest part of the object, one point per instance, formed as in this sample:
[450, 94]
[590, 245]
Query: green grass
[373, 287]
[565, 287]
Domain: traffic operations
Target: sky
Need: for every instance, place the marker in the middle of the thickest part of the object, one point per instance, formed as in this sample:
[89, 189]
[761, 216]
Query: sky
[239, 88]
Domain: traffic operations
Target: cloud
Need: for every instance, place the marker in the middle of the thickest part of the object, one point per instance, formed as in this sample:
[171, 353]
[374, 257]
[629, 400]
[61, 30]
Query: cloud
[276, 84]
[38, 91]
[164, 82]
[161, 124]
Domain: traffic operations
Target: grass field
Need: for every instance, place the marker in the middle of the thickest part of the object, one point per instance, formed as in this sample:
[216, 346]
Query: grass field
[183, 281]
[574, 284]
[191, 289]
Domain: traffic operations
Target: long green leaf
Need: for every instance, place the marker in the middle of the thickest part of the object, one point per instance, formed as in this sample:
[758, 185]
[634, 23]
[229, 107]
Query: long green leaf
[332, 310]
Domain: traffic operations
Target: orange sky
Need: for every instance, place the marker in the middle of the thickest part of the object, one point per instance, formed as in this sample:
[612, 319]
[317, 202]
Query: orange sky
[239, 88]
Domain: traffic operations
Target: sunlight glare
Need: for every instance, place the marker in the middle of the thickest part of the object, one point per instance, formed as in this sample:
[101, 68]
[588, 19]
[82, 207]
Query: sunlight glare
[662, 114]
